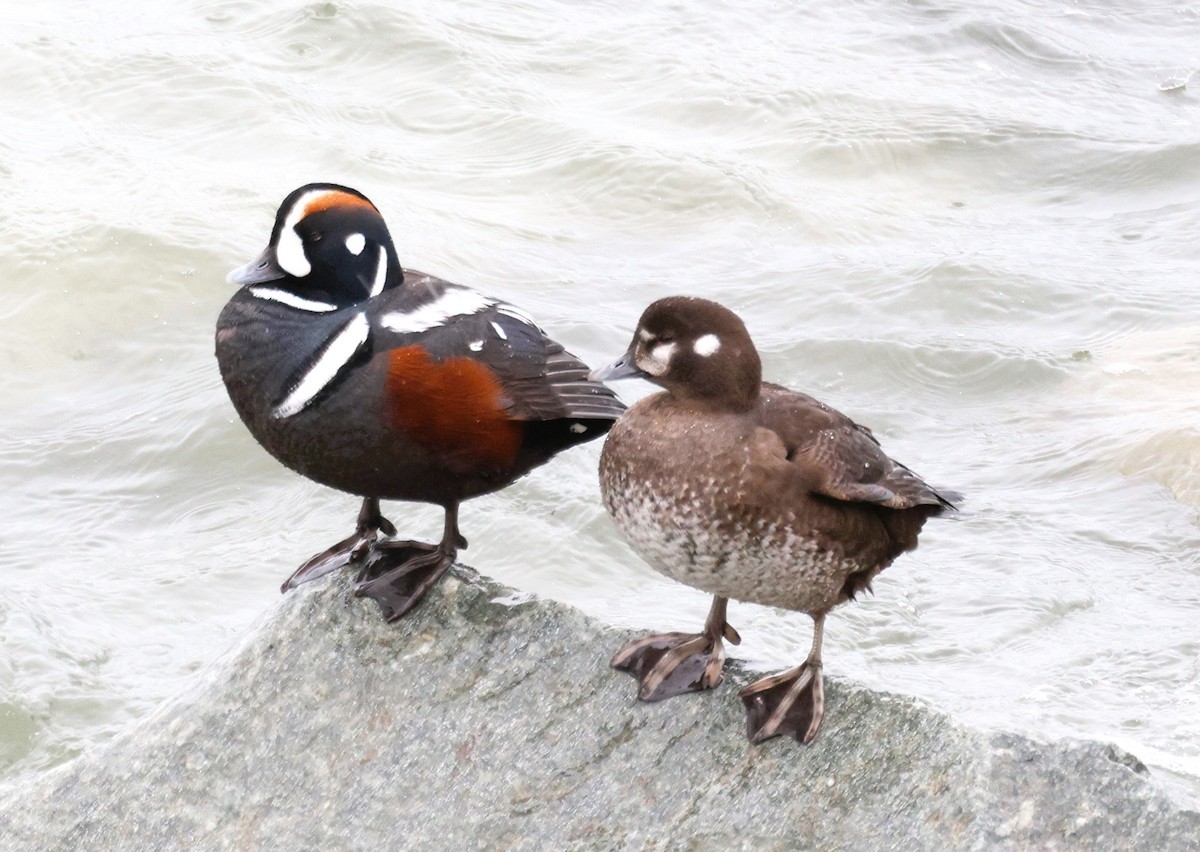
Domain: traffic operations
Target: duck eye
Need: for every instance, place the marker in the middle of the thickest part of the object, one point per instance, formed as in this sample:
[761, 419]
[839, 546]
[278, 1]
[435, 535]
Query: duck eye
[316, 237]
[666, 337]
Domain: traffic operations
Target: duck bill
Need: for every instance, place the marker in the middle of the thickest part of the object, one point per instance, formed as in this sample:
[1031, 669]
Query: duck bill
[622, 368]
[263, 268]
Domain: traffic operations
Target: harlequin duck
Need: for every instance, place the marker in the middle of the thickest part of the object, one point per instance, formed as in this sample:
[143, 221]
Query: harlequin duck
[391, 384]
[746, 490]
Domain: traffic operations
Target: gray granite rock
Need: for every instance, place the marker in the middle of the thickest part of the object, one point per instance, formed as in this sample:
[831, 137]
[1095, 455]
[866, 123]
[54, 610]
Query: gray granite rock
[483, 722]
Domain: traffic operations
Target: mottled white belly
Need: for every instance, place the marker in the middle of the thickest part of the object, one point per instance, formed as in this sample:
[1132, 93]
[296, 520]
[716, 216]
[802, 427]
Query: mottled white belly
[689, 535]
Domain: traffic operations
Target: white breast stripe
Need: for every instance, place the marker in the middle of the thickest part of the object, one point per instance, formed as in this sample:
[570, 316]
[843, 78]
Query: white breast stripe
[380, 273]
[338, 352]
[452, 303]
[499, 331]
[291, 300]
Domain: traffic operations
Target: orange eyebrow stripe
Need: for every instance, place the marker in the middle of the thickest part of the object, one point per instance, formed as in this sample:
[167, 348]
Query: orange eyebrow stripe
[336, 198]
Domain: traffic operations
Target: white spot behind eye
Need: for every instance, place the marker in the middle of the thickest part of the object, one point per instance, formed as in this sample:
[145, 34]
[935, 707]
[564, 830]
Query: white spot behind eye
[706, 345]
[355, 243]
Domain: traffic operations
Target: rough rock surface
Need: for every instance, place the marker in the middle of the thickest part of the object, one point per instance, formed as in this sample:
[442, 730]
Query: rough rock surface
[477, 723]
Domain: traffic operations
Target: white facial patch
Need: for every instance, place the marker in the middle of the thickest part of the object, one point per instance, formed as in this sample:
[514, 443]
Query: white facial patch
[452, 303]
[291, 300]
[657, 361]
[380, 273]
[289, 251]
[355, 243]
[706, 345]
[333, 359]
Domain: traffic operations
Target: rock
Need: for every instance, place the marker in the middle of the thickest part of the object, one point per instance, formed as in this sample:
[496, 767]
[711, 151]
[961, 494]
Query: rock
[482, 721]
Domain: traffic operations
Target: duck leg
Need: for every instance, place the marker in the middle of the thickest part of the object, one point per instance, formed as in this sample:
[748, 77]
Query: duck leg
[397, 574]
[790, 702]
[670, 664]
[370, 524]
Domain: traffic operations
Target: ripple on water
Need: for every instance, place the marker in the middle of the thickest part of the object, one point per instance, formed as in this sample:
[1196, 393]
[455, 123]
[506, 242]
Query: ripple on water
[961, 225]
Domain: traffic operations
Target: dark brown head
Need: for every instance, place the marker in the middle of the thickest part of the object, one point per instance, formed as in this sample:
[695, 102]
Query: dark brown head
[695, 349]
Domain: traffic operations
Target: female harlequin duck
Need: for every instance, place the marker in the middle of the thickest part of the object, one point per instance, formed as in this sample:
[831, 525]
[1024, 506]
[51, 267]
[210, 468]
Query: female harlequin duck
[751, 491]
[391, 384]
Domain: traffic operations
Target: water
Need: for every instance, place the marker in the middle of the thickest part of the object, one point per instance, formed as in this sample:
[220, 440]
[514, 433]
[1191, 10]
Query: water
[972, 229]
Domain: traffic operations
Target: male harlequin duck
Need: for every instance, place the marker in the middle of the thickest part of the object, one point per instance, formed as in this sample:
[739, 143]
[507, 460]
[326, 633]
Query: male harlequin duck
[391, 384]
[746, 490]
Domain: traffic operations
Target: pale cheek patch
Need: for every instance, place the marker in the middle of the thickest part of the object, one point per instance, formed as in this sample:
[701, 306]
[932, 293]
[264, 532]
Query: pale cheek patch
[706, 345]
[657, 361]
[355, 243]
[289, 253]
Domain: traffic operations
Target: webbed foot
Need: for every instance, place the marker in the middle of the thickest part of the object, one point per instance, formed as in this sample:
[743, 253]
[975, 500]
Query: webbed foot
[791, 702]
[397, 578]
[670, 664]
[350, 549]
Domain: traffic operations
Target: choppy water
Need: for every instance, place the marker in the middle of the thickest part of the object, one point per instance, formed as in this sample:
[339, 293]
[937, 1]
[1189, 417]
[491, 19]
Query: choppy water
[970, 226]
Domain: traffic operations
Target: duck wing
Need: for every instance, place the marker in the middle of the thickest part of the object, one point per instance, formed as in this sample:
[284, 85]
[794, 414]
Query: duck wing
[838, 458]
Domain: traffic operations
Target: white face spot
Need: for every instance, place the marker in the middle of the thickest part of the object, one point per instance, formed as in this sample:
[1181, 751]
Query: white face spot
[578, 428]
[706, 345]
[289, 251]
[333, 359]
[355, 243]
[452, 303]
[656, 361]
[291, 300]
[380, 273]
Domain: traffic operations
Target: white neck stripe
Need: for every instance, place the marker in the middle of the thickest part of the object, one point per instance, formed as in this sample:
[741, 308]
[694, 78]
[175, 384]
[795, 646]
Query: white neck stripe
[452, 303]
[337, 354]
[380, 273]
[291, 300]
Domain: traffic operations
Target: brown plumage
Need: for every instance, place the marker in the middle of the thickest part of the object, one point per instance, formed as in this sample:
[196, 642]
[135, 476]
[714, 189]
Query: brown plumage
[750, 491]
